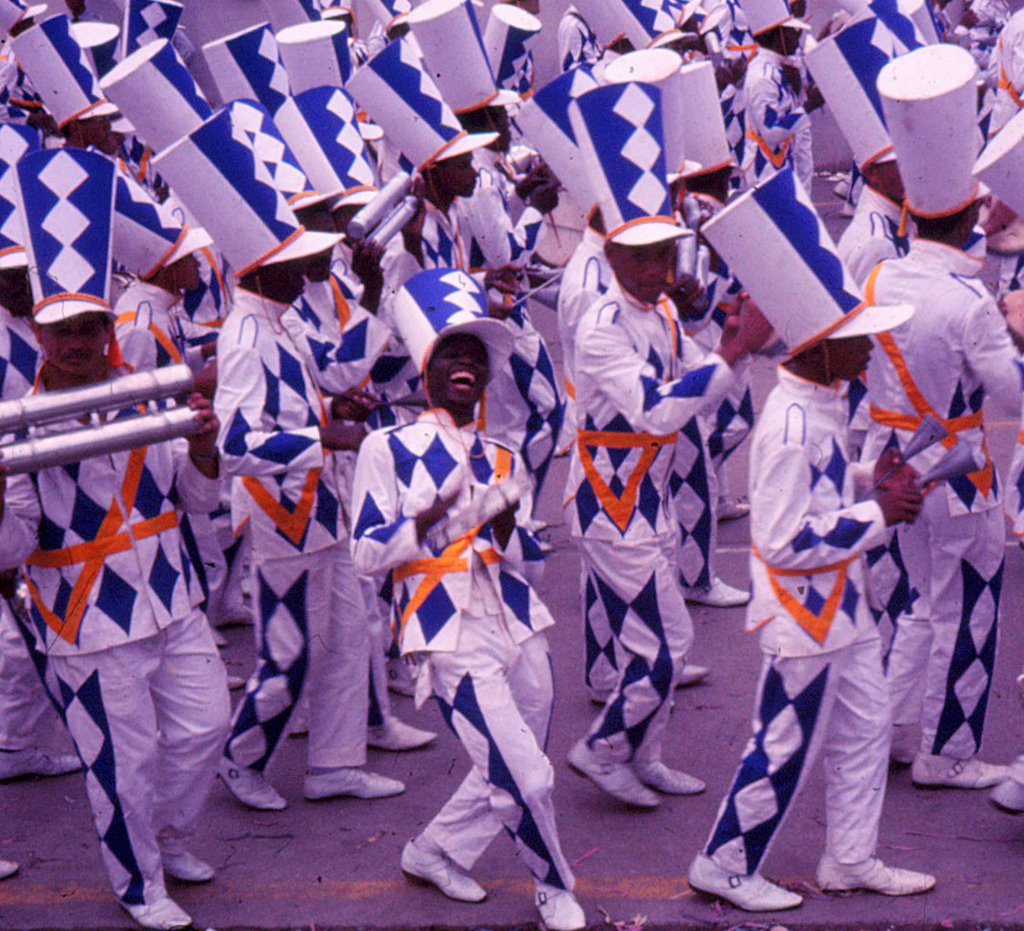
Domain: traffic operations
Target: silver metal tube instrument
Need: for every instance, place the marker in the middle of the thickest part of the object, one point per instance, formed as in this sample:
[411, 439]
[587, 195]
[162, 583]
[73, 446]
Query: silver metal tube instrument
[376, 211]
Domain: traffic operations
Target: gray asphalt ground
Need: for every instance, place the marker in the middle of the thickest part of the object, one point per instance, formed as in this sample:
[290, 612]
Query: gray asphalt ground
[334, 864]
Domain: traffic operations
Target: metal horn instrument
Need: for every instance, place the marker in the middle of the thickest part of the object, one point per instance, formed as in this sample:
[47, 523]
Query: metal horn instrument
[384, 204]
[393, 225]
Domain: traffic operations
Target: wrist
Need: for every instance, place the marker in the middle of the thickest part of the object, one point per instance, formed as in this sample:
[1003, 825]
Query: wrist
[199, 456]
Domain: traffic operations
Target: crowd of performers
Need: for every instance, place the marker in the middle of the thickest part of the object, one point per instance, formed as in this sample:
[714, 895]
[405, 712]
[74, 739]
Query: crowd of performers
[342, 258]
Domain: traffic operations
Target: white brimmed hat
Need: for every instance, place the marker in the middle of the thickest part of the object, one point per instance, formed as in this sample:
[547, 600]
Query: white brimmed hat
[704, 140]
[845, 66]
[247, 66]
[321, 127]
[13, 12]
[449, 38]
[399, 95]
[60, 71]
[147, 234]
[619, 131]
[222, 177]
[443, 302]
[508, 36]
[16, 141]
[763, 15]
[929, 97]
[66, 199]
[660, 68]
[148, 21]
[1001, 165]
[315, 54]
[544, 120]
[155, 91]
[775, 242]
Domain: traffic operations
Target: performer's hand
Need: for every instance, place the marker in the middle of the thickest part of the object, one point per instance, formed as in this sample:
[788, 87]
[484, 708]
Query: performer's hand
[746, 330]
[545, 196]
[366, 256]
[202, 445]
[426, 519]
[894, 469]
[355, 405]
[689, 297]
[503, 284]
[900, 502]
[504, 524]
[341, 435]
[412, 232]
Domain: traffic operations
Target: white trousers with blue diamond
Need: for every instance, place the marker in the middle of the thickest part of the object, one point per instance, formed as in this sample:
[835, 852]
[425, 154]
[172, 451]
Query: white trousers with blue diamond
[944, 650]
[26, 714]
[836, 703]
[148, 719]
[312, 632]
[497, 697]
[638, 635]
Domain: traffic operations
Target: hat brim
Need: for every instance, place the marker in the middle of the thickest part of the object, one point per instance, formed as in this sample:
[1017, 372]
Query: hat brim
[308, 243]
[56, 311]
[645, 233]
[15, 258]
[370, 132]
[689, 167]
[463, 144]
[875, 318]
[495, 335]
[356, 199]
[195, 239]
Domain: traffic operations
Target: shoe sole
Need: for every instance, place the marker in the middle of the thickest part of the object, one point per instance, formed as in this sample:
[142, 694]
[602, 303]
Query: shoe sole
[1005, 808]
[845, 889]
[939, 786]
[708, 894]
[245, 804]
[422, 881]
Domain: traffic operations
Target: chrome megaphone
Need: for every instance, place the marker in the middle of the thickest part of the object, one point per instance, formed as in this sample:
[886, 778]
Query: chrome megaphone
[959, 460]
[929, 432]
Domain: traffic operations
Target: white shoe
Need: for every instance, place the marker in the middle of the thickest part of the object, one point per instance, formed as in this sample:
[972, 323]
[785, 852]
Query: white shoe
[235, 683]
[905, 744]
[559, 910]
[438, 869]
[752, 893]
[7, 868]
[841, 188]
[34, 762]
[669, 781]
[717, 595]
[947, 772]
[1008, 796]
[187, 867]
[351, 781]
[692, 674]
[872, 875]
[617, 779]
[162, 915]
[249, 787]
[400, 679]
[732, 508]
[396, 735]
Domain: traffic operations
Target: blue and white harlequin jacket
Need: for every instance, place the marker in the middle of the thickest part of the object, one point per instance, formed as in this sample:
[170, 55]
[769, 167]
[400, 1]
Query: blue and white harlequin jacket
[400, 472]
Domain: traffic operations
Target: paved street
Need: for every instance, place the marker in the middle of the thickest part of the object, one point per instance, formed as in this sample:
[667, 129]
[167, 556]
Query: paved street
[335, 863]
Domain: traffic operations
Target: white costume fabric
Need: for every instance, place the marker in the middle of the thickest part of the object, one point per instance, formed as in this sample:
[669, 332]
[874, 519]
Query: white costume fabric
[142, 689]
[634, 391]
[470, 618]
[821, 685]
[577, 44]
[946, 360]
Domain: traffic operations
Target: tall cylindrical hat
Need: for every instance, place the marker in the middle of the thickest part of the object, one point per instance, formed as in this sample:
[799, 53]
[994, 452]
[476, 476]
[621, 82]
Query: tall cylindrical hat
[101, 41]
[16, 142]
[285, 13]
[775, 242]
[619, 130]
[929, 98]
[544, 120]
[247, 66]
[13, 12]
[704, 140]
[60, 71]
[316, 54]
[223, 173]
[845, 66]
[763, 15]
[399, 95]
[390, 13]
[453, 48]
[898, 20]
[66, 198]
[1001, 165]
[148, 21]
[508, 36]
[155, 91]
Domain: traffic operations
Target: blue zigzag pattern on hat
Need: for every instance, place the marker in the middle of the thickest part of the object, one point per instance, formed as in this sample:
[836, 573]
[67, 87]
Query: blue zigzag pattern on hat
[15, 142]
[134, 205]
[253, 120]
[58, 30]
[803, 229]
[399, 65]
[149, 21]
[474, 24]
[169, 64]
[897, 22]
[512, 55]
[653, 15]
[331, 116]
[554, 98]
[442, 294]
[857, 44]
[255, 53]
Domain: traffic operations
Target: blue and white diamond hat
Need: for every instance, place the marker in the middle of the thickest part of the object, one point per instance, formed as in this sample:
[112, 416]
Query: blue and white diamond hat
[322, 128]
[148, 235]
[404, 101]
[544, 120]
[316, 54]
[845, 66]
[247, 66]
[776, 244]
[929, 98]
[1001, 165]
[102, 41]
[148, 21]
[155, 91]
[16, 141]
[619, 130]
[285, 13]
[389, 13]
[452, 47]
[441, 302]
[909, 21]
[66, 199]
[763, 15]
[224, 175]
[662, 69]
[704, 139]
[60, 71]
[508, 35]
[13, 12]
[640, 21]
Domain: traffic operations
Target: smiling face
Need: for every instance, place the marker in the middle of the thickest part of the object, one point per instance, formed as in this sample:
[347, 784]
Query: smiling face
[76, 349]
[457, 375]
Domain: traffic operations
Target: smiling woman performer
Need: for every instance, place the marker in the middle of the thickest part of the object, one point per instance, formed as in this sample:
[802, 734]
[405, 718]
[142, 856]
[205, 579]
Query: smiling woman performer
[465, 612]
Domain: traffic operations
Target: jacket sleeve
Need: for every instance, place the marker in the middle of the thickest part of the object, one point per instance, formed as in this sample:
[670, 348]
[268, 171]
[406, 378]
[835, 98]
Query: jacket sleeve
[19, 523]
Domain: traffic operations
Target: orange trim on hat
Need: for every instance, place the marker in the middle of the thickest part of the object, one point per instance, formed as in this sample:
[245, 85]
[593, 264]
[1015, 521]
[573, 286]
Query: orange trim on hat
[486, 102]
[167, 254]
[82, 113]
[727, 163]
[885, 150]
[947, 213]
[433, 158]
[72, 296]
[270, 253]
[829, 330]
[639, 221]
